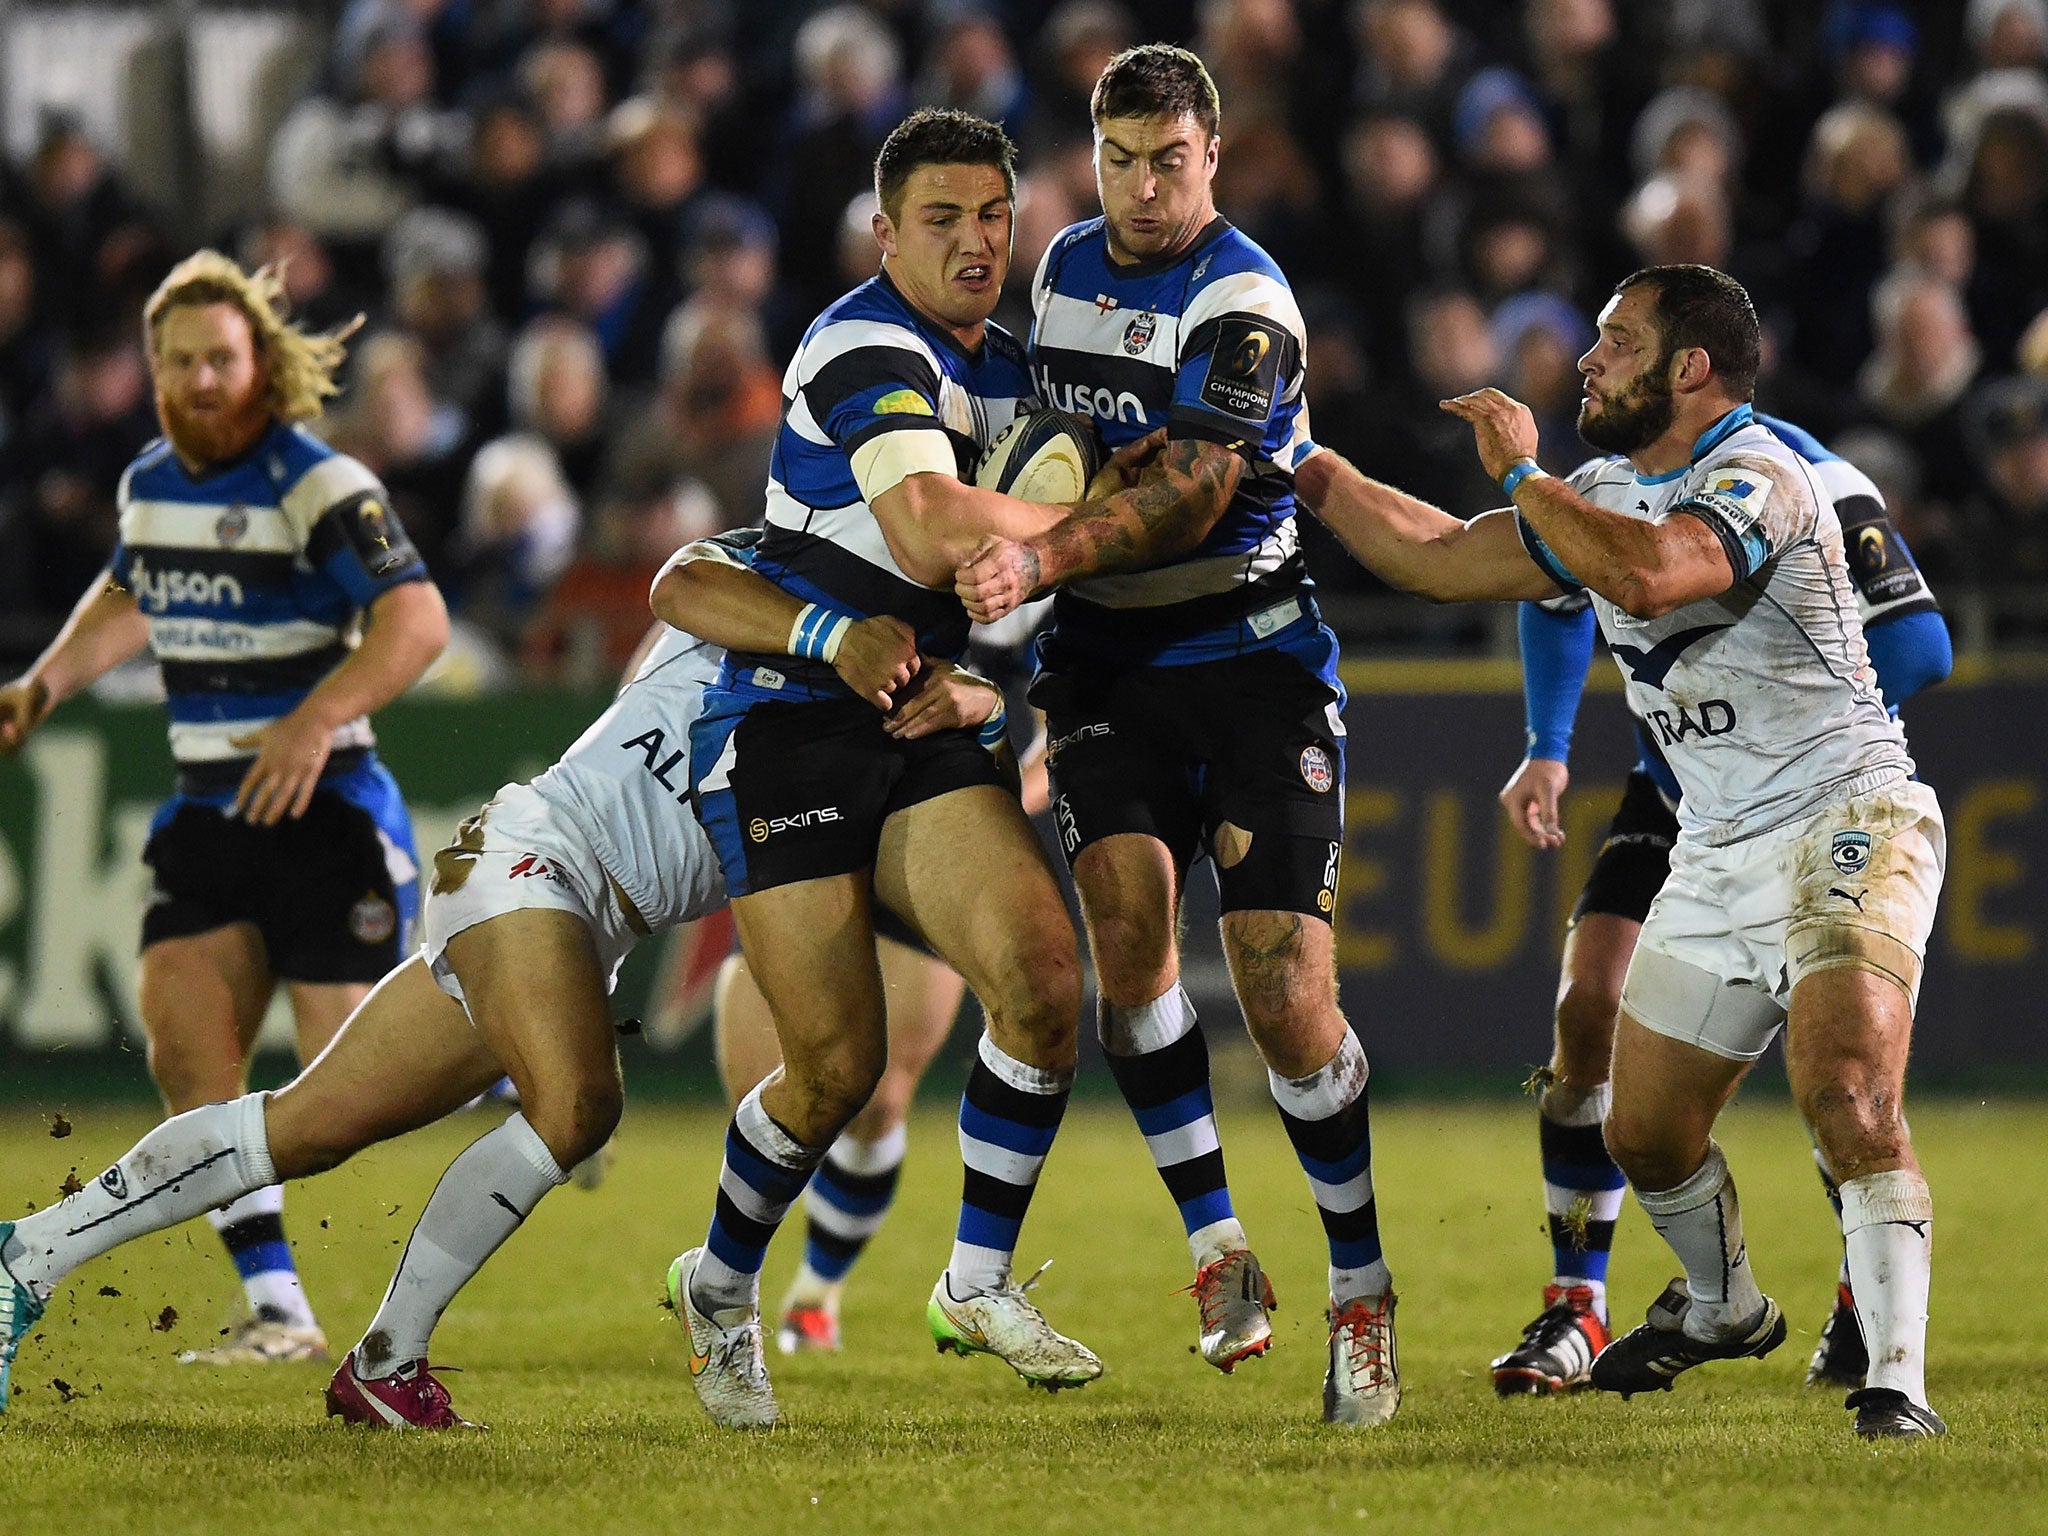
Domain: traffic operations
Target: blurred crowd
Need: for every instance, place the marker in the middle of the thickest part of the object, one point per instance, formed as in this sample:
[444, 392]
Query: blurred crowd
[588, 233]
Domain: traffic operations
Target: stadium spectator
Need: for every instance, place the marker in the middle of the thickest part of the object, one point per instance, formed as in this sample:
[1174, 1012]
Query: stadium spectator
[1391, 171]
[96, 248]
[593, 267]
[2009, 34]
[435, 259]
[347, 164]
[520, 519]
[1913, 384]
[1998, 166]
[319, 298]
[1539, 338]
[658, 178]
[504, 181]
[1079, 38]
[558, 392]
[65, 465]
[713, 421]
[850, 95]
[970, 65]
[566, 81]
[2008, 431]
[27, 349]
[1856, 160]
[412, 443]
[1413, 62]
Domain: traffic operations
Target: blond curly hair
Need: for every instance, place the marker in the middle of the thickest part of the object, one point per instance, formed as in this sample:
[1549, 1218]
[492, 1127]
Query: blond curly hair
[298, 365]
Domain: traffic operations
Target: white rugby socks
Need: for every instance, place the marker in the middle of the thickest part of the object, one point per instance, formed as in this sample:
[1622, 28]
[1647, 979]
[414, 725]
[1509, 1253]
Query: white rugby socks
[1888, 1226]
[1702, 1222]
[481, 1200]
[191, 1163]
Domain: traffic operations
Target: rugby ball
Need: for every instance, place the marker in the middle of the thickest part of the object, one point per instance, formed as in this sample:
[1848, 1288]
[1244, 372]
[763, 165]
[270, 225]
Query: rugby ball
[1043, 455]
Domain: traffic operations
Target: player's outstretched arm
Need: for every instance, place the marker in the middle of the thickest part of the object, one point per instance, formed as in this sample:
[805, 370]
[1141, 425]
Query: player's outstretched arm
[1645, 568]
[1168, 511]
[104, 630]
[1412, 545]
[406, 628]
[706, 590]
[934, 522]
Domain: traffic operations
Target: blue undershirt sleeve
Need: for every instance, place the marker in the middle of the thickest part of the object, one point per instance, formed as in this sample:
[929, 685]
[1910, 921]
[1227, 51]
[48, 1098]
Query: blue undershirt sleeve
[1910, 653]
[1557, 647]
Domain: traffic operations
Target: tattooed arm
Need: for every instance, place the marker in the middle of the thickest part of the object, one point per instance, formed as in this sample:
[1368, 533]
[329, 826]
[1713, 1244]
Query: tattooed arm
[1166, 514]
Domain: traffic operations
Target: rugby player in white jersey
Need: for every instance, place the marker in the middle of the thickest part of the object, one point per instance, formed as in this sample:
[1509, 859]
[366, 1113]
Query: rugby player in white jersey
[529, 914]
[1191, 692]
[1804, 879]
[251, 557]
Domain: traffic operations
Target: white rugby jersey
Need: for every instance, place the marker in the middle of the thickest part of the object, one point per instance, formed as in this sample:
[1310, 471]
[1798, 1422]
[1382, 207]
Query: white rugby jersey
[1762, 699]
[625, 785]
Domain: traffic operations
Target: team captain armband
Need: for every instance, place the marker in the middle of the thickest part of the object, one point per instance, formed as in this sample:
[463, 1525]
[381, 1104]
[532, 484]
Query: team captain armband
[1545, 558]
[1890, 583]
[886, 460]
[818, 632]
[1732, 503]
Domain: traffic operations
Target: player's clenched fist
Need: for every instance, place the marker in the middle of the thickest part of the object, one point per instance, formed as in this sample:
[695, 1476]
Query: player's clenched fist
[22, 707]
[998, 578]
[876, 657]
[1502, 428]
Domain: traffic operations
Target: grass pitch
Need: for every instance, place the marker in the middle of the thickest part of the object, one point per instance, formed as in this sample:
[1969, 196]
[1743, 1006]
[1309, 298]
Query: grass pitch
[569, 1357]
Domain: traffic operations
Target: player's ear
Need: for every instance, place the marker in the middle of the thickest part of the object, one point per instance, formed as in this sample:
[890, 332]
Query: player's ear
[885, 232]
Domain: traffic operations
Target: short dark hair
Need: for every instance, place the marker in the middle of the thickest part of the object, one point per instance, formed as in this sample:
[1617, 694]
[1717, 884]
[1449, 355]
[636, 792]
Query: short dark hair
[1703, 307]
[1157, 80]
[940, 136]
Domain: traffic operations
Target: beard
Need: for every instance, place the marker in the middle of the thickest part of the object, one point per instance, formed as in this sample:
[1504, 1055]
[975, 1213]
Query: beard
[1633, 419]
[209, 437]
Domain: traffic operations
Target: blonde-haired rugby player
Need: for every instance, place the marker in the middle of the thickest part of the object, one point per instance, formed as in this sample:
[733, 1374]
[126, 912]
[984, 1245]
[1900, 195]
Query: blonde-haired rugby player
[250, 555]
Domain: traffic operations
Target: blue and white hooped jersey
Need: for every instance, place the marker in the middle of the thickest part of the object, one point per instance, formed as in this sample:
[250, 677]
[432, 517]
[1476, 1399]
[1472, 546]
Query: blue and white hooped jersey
[1209, 345]
[870, 367]
[251, 577]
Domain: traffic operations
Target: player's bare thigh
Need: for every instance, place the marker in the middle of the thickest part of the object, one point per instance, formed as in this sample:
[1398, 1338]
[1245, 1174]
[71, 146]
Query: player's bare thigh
[203, 999]
[405, 1058]
[537, 996]
[1597, 949]
[967, 871]
[1130, 900]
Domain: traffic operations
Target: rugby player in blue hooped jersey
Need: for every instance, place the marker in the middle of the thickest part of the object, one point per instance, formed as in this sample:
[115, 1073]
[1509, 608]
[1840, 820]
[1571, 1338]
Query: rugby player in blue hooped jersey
[817, 810]
[1192, 700]
[249, 551]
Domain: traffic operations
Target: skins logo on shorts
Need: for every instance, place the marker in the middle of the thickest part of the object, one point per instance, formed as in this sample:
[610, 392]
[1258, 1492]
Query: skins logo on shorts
[1851, 852]
[1139, 333]
[757, 829]
[372, 920]
[760, 829]
[1316, 771]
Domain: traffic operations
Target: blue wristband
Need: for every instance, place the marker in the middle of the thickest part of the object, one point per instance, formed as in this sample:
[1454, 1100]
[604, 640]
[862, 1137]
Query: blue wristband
[816, 634]
[995, 730]
[1518, 471]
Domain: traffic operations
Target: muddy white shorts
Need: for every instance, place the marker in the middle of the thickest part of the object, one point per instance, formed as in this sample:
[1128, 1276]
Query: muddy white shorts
[1735, 928]
[518, 854]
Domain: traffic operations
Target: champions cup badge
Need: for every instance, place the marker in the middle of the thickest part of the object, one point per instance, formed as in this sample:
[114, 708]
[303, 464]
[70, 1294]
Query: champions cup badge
[1851, 852]
[1315, 770]
[232, 525]
[1138, 334]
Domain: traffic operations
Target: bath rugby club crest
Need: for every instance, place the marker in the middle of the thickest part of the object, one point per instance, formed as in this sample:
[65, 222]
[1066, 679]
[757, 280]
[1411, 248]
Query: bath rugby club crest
[232, 524]
[1139, 333]
[1315, 770]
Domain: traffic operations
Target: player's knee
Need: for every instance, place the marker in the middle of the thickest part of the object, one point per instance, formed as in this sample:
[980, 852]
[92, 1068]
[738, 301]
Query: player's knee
[1133, 956]
[1858, 1124]
[1586, 1011]
[577, 1118]
[1648, 1155]
[837, 1081]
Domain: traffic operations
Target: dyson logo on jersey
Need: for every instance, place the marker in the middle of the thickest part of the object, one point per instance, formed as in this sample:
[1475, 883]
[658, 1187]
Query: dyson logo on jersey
[1083, 401]
[160, 589]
